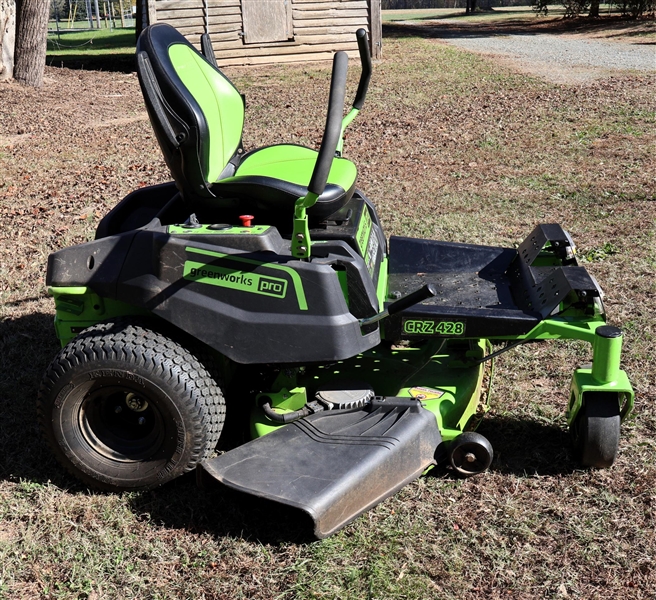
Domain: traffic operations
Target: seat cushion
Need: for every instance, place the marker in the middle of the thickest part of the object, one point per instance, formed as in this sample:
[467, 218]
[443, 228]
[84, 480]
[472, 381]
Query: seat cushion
[276, 176]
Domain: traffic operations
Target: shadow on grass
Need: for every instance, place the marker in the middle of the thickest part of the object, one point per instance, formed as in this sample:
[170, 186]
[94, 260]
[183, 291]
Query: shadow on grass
[72, 39]
[453, 16]
[612, 26]
[523, 448]
[528, 447]
[93, 50]
[27, 345]
[113, 63]
[223, 512]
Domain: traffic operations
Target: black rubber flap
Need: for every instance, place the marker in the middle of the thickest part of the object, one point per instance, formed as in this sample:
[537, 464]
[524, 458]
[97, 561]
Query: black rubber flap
[335, 465]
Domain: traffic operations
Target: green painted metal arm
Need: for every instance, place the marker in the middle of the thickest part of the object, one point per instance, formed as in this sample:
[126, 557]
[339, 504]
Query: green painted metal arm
[301, 232]
[605, 374]
[346, 121]
[363, 86]
[558, 328]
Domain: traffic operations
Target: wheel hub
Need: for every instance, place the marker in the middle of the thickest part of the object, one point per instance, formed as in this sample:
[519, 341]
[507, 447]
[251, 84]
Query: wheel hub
[136, 403]
[121, 424]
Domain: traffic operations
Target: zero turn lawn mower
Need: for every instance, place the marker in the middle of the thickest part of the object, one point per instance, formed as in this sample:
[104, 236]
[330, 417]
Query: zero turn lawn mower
[263, 278]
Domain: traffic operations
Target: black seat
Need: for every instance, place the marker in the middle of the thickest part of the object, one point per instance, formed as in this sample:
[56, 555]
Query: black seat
[198, 116]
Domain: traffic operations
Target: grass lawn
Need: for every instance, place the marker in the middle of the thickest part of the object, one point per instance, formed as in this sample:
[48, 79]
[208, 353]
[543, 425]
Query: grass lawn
[450, 145]
[92, 49]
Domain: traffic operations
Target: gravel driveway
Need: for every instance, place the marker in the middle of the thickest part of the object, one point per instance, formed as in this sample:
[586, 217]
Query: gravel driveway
[564, 57]
[558, 58]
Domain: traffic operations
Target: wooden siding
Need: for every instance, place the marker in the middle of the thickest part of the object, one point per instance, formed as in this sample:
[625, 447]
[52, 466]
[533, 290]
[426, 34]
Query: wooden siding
[319, 29]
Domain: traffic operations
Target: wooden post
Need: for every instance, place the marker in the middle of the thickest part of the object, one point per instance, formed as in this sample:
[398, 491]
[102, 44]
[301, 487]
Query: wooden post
[95, 2]
[375, 29]
[120, 6]
[89, 13]
[112, 15]
[57, 22]
[152, 12]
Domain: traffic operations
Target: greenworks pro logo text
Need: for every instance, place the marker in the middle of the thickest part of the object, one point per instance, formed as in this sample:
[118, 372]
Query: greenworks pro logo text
[364, 231]
[242, 281]
[426, 327]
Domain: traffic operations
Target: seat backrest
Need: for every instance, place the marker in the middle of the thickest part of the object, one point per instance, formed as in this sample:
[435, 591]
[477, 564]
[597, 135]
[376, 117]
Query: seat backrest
[196, 111]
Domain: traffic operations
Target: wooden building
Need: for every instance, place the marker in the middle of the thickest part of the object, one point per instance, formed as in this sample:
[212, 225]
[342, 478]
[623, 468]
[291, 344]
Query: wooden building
[249, 32]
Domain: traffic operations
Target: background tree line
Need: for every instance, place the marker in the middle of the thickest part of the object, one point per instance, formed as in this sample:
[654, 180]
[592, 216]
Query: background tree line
[577, 8]
[573, 8]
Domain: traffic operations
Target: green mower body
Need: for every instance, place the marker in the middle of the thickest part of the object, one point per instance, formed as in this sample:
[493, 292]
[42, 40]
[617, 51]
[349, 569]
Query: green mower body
[263, 282]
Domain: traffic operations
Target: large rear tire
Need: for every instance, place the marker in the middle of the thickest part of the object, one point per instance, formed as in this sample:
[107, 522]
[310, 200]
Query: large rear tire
[127, 408]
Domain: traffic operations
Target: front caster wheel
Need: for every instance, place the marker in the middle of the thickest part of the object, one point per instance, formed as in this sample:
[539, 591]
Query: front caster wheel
[126, 408]
[470, 454]
[596, 430]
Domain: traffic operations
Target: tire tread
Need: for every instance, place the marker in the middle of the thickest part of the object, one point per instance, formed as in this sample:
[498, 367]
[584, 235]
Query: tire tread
[192, 378]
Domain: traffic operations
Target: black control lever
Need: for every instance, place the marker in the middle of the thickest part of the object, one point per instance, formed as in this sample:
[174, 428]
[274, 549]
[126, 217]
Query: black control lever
[365, 60]
[427, 291]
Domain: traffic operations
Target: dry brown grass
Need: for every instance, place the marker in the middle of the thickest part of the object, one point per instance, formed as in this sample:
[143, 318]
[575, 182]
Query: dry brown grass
[450, 146]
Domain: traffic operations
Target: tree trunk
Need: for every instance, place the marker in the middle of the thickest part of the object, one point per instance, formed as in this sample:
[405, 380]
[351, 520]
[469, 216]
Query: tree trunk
[31, 41]
[7, 38]
[594, 8]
